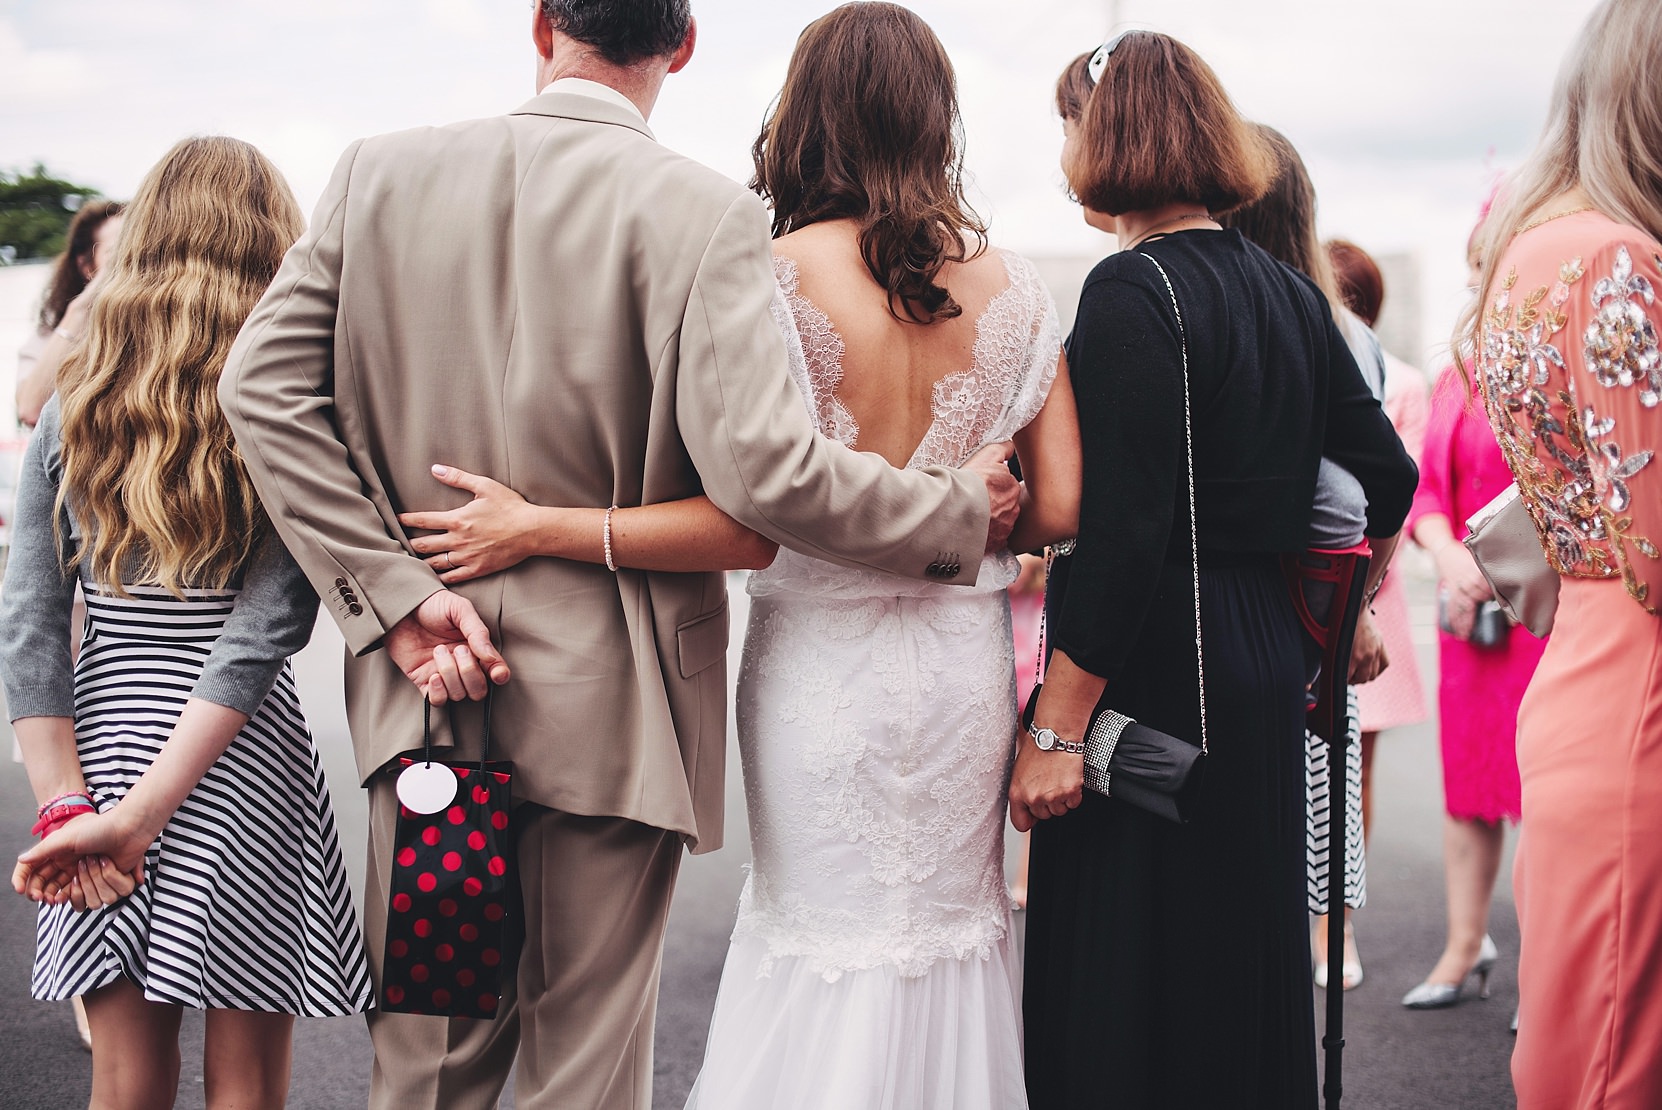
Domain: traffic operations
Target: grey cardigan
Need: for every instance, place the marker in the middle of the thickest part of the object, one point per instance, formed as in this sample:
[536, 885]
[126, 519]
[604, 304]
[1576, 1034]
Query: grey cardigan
[271, 620]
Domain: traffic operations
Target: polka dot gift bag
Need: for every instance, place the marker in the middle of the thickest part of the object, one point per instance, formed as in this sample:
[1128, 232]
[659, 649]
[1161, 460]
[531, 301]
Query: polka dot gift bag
[452, 884]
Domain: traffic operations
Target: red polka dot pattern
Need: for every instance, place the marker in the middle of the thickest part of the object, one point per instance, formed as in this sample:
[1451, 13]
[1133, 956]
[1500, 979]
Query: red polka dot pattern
[451, 888]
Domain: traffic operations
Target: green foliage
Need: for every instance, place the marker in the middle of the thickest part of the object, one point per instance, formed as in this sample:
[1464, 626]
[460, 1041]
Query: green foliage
[35, 210]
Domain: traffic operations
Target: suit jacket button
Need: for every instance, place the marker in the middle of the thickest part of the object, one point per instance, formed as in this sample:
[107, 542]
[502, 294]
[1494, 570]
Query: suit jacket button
[355, 609]
[934, 570]
[340, 583]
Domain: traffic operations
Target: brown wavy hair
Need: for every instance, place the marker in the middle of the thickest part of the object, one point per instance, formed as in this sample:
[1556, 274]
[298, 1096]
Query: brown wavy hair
[867, 128]
[71, 272]
[150, 468]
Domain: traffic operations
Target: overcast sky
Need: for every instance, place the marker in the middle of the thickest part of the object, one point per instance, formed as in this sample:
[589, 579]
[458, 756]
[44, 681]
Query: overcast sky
[1403, 110]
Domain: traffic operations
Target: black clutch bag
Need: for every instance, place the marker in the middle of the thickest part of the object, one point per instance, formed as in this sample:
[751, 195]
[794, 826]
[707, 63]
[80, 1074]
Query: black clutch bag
[1142, 766]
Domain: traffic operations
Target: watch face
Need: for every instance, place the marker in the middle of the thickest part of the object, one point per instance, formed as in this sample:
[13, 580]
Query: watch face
[1044, 739]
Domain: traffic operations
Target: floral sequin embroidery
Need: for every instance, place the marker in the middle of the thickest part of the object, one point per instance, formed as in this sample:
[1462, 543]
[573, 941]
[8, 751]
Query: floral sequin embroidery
[1621, 339]
[1573, 471]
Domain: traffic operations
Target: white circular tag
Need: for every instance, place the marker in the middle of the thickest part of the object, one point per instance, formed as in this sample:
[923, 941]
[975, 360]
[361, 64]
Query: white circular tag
[426, 787]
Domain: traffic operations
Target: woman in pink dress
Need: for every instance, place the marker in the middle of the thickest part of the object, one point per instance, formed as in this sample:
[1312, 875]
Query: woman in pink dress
[1397, 697]
[1566, 337]
[1482, 680]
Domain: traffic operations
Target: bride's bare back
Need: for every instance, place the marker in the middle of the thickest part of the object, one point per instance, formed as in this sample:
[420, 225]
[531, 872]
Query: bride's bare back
[876, 378]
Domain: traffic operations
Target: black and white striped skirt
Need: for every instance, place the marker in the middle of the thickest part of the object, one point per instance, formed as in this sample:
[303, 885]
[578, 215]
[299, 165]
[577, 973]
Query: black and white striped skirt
[245, 903]
[1319, 816]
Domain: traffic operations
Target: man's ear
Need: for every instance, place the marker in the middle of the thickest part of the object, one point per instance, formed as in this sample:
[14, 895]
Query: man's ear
[542, 32]
[683, 53]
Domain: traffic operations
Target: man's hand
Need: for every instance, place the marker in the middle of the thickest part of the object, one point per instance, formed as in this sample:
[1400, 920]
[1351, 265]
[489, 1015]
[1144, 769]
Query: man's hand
[445, 649]
[1003, 491]
[1368, 658]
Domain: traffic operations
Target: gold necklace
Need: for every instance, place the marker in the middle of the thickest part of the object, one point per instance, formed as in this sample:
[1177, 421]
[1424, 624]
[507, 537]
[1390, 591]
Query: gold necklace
[1532, 224]
[1161, 229]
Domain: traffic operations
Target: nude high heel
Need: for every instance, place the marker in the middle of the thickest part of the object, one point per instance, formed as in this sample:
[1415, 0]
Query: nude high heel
[1350, 968]
[1439, 996]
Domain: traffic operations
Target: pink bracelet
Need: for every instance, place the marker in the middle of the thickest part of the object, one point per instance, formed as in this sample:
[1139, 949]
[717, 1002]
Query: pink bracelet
[56, 818]
[61, 799]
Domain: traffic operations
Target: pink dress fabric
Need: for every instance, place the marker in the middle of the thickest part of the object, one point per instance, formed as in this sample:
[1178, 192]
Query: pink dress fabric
[1572, 375]
[1479, 688]
[1397, 697]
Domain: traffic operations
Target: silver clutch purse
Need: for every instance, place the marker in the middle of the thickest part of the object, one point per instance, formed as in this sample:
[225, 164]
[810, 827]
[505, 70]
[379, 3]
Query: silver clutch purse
[1503, 540]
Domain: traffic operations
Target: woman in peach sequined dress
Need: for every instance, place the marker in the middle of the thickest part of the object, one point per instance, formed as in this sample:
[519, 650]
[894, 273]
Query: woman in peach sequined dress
[1567, 356]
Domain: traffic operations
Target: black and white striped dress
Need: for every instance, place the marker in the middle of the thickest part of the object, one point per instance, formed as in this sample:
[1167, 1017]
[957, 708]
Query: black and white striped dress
[245, 903]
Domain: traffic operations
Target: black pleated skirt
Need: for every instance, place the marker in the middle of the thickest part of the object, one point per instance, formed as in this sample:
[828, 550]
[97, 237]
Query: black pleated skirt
[1168, 966]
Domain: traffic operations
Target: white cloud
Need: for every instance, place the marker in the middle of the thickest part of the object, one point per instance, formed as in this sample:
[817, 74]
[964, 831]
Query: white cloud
[30, 77]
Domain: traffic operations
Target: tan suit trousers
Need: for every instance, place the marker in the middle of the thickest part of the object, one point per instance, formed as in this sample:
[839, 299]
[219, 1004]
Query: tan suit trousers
[578, 1015]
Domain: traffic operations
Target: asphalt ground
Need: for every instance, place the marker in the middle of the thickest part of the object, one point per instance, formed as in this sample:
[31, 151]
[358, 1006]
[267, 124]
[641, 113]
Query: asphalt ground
[1395, 1059]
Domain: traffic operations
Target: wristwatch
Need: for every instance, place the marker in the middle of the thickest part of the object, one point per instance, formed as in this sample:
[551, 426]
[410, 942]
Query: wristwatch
[1046, 740]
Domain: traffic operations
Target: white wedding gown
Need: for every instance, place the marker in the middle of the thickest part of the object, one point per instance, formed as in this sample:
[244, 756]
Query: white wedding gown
[873, 965]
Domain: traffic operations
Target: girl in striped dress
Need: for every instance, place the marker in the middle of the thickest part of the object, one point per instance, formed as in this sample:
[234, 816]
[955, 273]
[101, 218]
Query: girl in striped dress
[189, 854]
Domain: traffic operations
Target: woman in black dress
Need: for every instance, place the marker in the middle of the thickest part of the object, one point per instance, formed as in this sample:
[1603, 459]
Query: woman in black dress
[1168, 965]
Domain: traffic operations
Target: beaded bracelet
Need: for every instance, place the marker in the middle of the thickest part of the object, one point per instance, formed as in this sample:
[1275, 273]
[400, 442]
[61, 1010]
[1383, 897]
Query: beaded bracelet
[606, 539]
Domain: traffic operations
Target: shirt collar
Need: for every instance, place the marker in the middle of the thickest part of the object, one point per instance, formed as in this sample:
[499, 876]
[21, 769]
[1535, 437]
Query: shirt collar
[580, 86]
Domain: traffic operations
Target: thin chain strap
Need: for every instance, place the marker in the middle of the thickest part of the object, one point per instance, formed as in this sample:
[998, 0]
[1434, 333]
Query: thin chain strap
[1194, 534]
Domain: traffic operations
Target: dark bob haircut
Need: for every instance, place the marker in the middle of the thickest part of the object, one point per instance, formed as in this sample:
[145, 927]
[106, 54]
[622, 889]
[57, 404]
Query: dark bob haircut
[1158, 129]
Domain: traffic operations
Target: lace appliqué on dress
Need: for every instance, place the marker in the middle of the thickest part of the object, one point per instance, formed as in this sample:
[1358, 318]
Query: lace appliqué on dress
[822, 352]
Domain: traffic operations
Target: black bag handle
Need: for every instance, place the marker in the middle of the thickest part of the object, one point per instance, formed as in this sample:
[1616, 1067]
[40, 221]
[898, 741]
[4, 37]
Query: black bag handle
[427, 729]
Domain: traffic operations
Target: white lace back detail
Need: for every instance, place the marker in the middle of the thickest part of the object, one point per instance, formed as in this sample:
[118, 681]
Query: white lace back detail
[1017, 340]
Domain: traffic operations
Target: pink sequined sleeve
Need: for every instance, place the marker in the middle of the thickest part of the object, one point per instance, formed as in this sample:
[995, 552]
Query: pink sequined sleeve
[1616, 387]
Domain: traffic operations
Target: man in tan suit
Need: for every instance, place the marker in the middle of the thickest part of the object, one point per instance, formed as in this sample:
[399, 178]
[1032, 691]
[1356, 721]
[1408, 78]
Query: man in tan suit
[553, 299]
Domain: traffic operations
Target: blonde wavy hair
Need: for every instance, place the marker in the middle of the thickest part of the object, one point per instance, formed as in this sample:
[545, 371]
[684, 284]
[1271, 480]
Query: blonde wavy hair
[150, 468]
[1603, 133]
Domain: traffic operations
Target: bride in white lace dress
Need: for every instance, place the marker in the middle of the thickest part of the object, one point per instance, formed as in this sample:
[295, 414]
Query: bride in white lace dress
[873, 965]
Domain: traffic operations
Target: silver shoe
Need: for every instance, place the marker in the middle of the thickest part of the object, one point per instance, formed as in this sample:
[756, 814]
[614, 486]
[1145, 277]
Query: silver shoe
[1440, 996]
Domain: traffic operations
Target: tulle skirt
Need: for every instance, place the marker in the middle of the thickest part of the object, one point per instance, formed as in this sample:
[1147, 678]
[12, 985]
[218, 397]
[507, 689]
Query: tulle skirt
[870, 1040]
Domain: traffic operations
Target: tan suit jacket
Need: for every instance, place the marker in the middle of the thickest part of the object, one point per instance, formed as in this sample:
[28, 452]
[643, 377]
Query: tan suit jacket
[552, 299]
